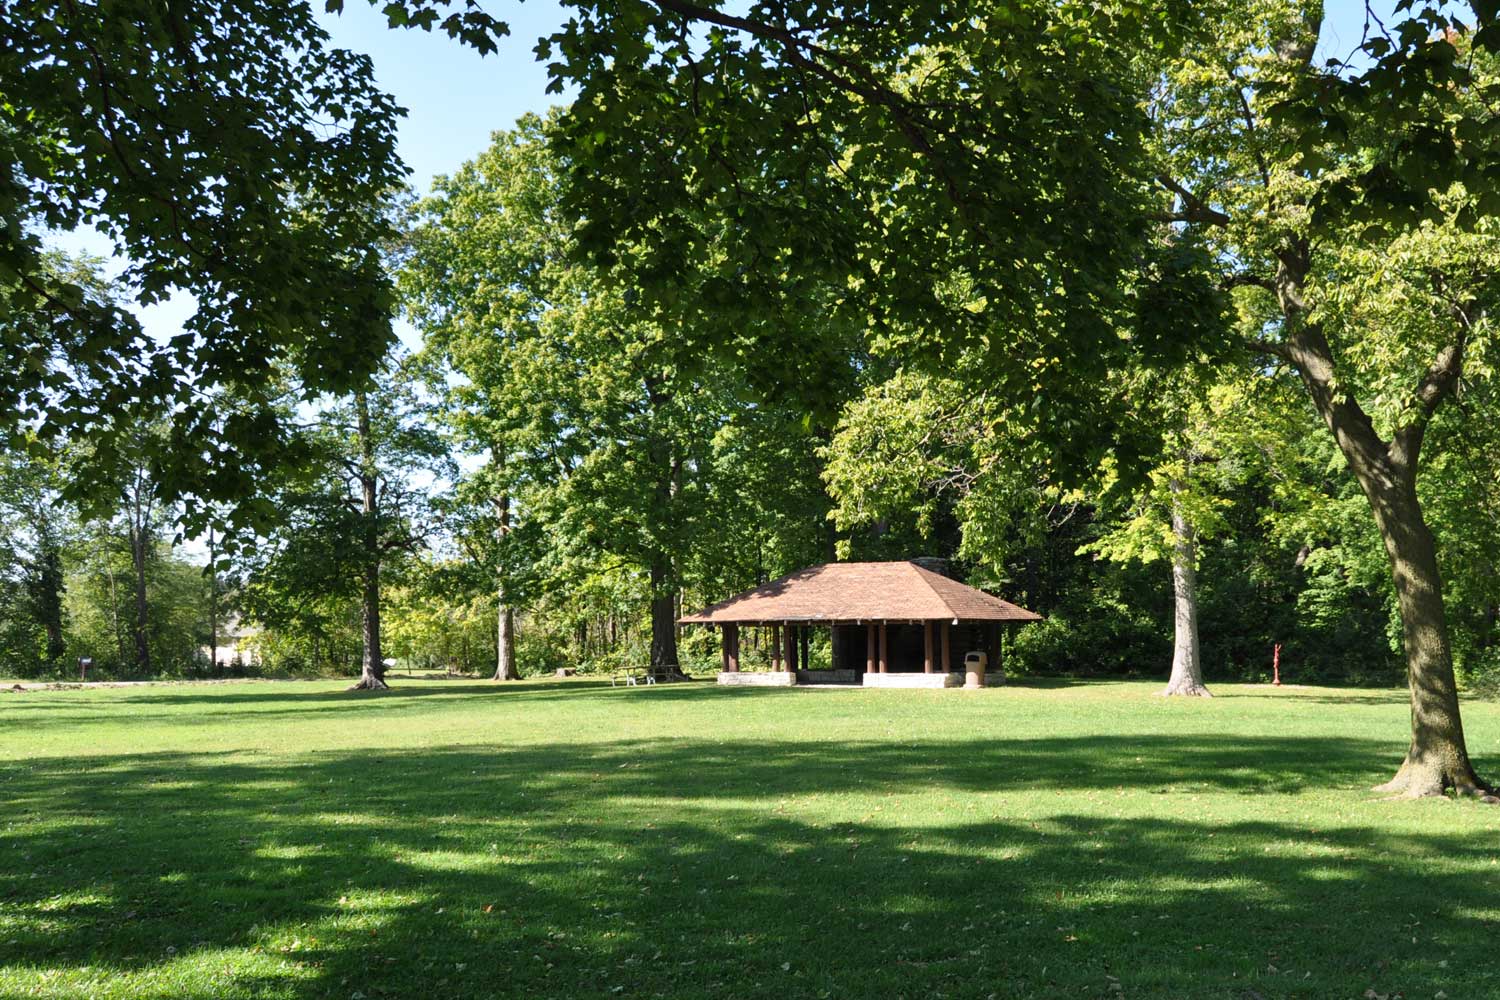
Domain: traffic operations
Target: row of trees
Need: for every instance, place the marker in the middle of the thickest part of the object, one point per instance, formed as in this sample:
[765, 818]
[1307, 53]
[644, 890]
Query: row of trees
[959, 276]
[508, 469]
[99, 581]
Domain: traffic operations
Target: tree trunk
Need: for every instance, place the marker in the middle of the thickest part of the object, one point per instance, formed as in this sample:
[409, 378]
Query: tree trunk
[213, 604]
[49, 598]
[138, 542]
[663, 622]
[1187, 665]
[668, 470]
[505, 646]
[505, 665]
[372, 665]
[1437, 758]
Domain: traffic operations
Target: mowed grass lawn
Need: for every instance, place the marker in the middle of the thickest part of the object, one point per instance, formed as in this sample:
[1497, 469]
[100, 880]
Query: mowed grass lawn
[566, 839]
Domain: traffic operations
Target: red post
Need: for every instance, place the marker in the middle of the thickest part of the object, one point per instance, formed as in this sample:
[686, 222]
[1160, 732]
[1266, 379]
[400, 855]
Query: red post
[1276, 665]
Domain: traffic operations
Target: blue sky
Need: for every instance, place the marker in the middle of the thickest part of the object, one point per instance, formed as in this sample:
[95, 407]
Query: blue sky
[456, 98]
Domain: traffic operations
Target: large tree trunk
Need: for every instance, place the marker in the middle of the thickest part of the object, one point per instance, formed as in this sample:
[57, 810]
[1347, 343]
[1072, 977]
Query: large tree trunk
[372, 666]
[505, 665]
[667, 467]
[49, 597]
[663, 622]
[1437, 759]
[1187, 665]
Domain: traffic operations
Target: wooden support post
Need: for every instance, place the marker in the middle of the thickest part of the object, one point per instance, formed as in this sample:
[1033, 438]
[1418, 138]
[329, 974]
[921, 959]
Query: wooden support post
[806, 631]
[791, 648]
[885, 650]
[724, 649]
[927, 647]
[870, 650]
[947, 648]
[732, 648]
[997, 650]
[775, 647]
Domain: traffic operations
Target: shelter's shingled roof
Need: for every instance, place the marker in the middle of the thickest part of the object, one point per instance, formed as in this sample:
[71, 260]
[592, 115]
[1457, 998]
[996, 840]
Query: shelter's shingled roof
[862, 591]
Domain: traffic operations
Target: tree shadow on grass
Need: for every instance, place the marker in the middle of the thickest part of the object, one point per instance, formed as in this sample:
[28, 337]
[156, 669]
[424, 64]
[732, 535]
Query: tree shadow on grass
[40, 709]
[1325, 696]
[703, 868]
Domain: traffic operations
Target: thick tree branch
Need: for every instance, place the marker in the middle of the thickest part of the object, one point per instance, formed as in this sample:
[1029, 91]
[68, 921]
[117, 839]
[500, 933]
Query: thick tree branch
[1194, 208]
[1274, 349]
[1307, 349]
[1244, 279]
[1437, 383]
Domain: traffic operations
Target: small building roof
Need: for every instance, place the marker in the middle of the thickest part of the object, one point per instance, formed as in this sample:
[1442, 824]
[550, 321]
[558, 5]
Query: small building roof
[862, 591]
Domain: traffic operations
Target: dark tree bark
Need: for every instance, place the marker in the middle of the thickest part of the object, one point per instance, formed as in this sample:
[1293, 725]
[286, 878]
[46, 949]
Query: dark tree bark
[140, 541]
[663, 620]
[372, 665]
[213, 604]
[505, 657]
[1187, 664]
[46, 592]
[667, 469]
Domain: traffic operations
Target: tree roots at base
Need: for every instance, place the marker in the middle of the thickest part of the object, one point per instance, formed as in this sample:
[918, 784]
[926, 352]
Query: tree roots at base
[1186, 689]
[1424, 781]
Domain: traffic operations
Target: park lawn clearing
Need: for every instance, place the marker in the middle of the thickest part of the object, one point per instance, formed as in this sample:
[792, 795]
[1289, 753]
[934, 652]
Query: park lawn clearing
[565, 839]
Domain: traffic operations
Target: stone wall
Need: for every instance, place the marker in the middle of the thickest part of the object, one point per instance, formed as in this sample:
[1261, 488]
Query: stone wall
[748, 678]
[909, 680]
[828, 677]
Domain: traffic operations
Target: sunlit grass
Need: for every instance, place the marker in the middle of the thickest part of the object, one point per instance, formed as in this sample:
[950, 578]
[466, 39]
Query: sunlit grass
[561, 839]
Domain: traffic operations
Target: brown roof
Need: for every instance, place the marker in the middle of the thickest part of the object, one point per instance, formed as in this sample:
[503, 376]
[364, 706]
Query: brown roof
[867, 591]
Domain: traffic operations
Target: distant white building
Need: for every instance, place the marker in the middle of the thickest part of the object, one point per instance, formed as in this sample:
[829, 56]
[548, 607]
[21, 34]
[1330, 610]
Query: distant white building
[236, 644]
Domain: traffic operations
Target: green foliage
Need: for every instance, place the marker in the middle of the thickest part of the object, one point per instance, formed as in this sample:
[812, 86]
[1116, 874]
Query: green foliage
[861, 161]
[304, 581]
[1104, 634]
[227, 152]
[624, 459]
[100, 610]
[35, 528]
[973, 277]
